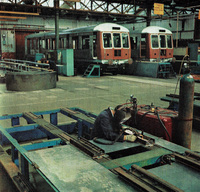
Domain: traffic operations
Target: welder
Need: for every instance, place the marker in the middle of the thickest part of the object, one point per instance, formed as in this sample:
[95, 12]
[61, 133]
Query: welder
[108, 126]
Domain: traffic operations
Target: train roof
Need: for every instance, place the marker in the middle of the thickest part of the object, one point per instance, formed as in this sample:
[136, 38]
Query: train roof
[99, 27]
[156, 29]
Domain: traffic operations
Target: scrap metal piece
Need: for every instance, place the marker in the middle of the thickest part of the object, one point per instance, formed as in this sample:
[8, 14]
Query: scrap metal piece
[145, 181]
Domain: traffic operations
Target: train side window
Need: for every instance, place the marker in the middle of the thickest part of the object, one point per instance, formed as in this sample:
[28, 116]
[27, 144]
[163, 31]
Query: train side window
[46, 44]
[54, 44]
[169, 41]
[117, 40]
[36, 44]
[154, 41]
[85, 42]
[43, 44]
[162, 41]
[28, 46]
[94, 44]
[143, 45]
[75, 42]
[61, 42]
[107, 41]
[125, 40]
[67, 41]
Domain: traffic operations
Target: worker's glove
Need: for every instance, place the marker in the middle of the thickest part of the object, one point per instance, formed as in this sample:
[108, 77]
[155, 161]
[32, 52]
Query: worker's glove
[130, 138]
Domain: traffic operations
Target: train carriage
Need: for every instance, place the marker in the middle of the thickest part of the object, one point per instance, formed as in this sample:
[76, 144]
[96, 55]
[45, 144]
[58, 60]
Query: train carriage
[105, 44]
[152, 44]
[152, 52]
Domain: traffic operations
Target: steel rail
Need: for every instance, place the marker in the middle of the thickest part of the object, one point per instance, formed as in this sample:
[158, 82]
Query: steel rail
[146, 181]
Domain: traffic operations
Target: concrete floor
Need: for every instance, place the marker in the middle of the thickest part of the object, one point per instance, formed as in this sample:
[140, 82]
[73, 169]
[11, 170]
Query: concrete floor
[91, 94]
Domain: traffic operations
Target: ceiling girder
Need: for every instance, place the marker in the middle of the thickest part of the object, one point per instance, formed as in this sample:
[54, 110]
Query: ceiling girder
[120, 9]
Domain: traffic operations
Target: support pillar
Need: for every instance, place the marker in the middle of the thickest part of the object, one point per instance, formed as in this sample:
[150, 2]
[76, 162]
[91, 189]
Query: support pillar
[56, 5]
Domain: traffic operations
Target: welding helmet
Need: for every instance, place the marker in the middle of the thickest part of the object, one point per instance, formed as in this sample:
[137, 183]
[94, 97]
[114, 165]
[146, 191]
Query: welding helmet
[119, 115]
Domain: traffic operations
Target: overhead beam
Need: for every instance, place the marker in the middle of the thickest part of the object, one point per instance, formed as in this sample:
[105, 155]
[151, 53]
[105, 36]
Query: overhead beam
[14, 20]
[11, 17]
[19, 13]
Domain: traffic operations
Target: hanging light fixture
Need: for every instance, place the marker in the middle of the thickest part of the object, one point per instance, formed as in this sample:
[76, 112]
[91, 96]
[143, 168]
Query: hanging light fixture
[173, 3]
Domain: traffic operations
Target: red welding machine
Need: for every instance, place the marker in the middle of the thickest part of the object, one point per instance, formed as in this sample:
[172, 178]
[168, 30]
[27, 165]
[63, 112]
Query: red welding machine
[154, 120]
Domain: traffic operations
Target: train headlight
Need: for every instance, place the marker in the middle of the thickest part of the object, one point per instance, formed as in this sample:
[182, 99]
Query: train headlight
[110, 62]
[130, 61]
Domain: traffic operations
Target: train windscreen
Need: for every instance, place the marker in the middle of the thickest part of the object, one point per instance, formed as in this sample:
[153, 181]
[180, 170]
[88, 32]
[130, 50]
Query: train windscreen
[117, 40]
[162, 41]
[125, 40]
[107, 41]
[169, 41]
[154, 41]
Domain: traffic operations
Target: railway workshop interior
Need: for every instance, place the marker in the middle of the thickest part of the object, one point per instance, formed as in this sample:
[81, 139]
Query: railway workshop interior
[99, 95]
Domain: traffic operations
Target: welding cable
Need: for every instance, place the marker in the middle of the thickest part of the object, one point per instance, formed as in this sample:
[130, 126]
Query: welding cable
[163, 125]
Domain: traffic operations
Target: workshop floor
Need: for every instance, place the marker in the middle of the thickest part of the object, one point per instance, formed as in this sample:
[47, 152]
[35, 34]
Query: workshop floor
[91, 94]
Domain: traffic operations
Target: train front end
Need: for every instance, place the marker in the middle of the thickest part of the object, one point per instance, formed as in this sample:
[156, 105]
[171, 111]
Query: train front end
[113, 48]
[157, 44]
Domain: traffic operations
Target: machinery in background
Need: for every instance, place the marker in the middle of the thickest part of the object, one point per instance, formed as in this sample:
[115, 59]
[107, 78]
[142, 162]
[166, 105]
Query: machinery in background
[188, 60]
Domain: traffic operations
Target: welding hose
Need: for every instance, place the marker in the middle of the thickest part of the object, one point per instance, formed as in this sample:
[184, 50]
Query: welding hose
[163, 125]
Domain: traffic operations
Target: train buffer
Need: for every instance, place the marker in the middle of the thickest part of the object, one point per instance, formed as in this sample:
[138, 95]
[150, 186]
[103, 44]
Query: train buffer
[92, 71]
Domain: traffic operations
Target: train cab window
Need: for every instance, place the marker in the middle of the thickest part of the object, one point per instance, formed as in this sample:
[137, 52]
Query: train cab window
[117, 40]
[107, 41]
[169, 41]
[85, 42]
[125, 40]
[154, 41]
[162, 41]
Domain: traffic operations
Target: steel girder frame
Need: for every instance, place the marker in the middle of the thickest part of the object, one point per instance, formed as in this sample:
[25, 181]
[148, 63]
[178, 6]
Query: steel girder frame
[33, 131]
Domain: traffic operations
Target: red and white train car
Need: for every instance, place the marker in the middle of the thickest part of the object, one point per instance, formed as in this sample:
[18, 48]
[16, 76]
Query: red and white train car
[106, 44]
[153, 44]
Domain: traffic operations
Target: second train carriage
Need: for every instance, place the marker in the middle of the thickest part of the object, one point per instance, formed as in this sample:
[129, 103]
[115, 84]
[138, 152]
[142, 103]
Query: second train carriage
[105, 44]
[152, 52]
[153, 44]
